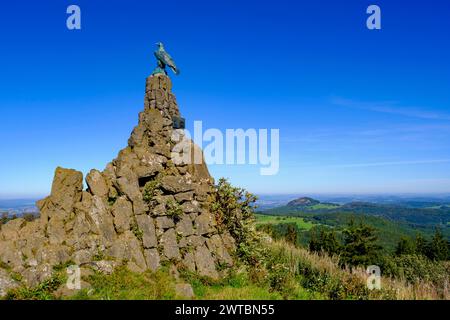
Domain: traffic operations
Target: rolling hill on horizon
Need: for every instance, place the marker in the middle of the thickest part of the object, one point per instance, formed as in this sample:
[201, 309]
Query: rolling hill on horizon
[415, 212]
[392, 220]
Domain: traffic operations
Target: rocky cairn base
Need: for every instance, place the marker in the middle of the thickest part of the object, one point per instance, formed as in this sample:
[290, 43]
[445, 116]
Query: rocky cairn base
[143, 209]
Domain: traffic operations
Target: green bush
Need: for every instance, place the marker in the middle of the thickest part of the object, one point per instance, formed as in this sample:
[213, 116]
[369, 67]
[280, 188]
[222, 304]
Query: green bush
[360, 246]
[439, 247]
[44, 291]
[414, 268]
[151, 189]
[283, 230]
[323, 240]
[405, 246]
[174, 210]
[234, 212]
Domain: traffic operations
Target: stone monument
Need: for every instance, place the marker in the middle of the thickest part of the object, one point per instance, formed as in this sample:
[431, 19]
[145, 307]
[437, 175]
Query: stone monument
[141, 210]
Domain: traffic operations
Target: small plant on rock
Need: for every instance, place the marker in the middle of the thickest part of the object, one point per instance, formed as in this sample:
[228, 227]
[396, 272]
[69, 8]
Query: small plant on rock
[174, 210]
[139, 234]
[151, 189]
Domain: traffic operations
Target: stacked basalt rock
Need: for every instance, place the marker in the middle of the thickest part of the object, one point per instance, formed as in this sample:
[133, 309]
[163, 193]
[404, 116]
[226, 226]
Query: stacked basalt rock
[143, 209]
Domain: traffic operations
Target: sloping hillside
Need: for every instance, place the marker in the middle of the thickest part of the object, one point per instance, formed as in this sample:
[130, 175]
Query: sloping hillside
[402, 220]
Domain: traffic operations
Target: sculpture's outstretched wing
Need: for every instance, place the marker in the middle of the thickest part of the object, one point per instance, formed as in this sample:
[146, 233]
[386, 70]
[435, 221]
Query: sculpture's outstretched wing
[167, 59]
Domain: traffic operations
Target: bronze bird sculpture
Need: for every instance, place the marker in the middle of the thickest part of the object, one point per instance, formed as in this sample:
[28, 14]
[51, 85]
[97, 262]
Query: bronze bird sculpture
[164, 59]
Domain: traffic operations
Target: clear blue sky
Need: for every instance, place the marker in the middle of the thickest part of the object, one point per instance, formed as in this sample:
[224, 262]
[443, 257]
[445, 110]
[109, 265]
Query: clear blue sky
[359, 111]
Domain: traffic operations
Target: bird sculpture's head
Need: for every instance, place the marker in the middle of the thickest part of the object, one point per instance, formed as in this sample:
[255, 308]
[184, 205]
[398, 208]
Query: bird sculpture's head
[159, 45]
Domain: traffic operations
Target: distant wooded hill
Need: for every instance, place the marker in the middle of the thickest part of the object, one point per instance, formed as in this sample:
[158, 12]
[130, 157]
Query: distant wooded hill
[438, 214]
[391, 221]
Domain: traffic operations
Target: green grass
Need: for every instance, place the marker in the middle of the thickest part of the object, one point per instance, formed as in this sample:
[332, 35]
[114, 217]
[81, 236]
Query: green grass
[44, 291]
[126, 285]
[250, 292]
[322, 206]
[300, 222]
[239, 286]
[235, 287]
